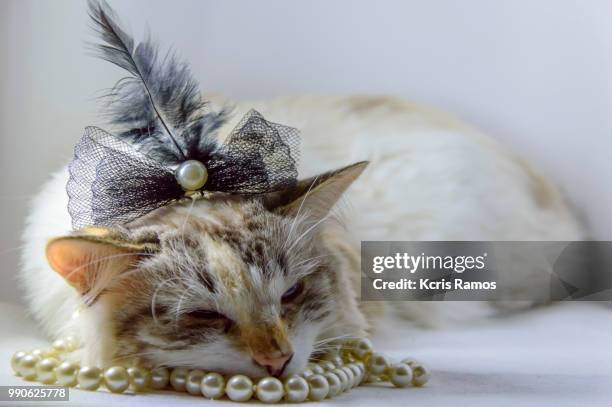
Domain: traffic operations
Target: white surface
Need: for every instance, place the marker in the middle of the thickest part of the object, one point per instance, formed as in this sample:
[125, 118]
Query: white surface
[533, 73]
[554, 356]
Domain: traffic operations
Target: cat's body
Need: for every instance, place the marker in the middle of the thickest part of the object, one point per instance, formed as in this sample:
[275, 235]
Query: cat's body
[430, 178]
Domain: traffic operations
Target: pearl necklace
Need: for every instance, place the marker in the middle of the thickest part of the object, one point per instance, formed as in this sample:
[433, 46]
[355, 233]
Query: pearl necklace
[354, 363]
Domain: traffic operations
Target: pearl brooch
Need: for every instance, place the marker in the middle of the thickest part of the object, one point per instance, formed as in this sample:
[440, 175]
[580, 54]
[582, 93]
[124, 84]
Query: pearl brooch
[352, 364]
[191, 175]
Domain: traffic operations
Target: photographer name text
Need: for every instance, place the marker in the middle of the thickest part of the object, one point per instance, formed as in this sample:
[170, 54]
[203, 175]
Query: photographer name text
[399, 264]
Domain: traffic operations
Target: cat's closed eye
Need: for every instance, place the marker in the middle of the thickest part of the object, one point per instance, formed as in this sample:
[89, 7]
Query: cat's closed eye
[293, 292]
[206, 314]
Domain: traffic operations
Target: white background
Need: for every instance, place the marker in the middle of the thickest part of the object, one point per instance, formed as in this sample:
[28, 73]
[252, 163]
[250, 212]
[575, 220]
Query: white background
[536, 74]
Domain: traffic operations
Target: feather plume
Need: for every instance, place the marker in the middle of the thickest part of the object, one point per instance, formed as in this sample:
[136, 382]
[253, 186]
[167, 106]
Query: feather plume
[158, 107]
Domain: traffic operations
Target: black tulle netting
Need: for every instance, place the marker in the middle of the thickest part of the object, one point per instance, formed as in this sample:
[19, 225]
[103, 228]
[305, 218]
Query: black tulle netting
[111, 182]
[258, 156]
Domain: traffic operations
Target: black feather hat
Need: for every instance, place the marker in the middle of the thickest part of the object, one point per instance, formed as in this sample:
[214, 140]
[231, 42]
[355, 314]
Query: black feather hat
[165, 147]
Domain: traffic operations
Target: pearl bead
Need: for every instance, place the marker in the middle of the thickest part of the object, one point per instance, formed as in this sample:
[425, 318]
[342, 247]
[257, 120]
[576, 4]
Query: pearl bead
[361, 348]
[335, 385]
[116, 379]
[420, 375]
[160, 378]
[191, 175]
[316, 369]
[213, 386]
[336, 360]
[66, 374]
[319, 387]
[239, 388]
[377, 364]
[345, 367]
[343, 379]
[71, 343]
[15, 359]
[357, 374]
[27, 366]
[269, 390]
[140, 378]
[327, 365]
[60, 346]
[400, 375]
[351, 377]
[410, 361]
[306, 373]
[194, 382]
[178, 378]
[45, 370]
[296, 389]
[50, 353]
[89, 378]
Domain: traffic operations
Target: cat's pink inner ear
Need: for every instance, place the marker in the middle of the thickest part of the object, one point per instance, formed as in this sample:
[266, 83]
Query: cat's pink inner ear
[317, 194]
[80, 261]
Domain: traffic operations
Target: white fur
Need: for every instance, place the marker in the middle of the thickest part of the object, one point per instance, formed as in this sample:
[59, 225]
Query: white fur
[431, 178]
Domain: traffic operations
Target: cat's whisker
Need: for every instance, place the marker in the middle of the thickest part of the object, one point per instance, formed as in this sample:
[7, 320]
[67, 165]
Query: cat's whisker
[338, 337]
[100, 260]
[297, 215]
[133, 355]
[154, 297]
[182, 229]
[298, 264]
[179, 303]
[129, 273]
[305, 233]
[175, 362]
[327, 343]
[307, 267]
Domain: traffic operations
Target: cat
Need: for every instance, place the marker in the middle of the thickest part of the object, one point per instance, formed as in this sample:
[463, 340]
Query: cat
[201, 293]
[257, 285]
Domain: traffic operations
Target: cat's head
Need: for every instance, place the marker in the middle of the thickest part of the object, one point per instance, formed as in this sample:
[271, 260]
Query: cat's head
[230, 284]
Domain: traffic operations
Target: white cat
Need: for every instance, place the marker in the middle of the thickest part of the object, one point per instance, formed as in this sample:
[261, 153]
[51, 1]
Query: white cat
[258, 284]
[430, 177]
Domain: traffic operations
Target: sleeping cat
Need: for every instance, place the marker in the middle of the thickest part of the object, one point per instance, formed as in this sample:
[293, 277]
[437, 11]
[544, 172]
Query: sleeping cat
[256, 285]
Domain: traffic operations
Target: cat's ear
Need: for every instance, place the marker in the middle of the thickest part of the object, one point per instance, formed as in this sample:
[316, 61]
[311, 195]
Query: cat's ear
[317, 194]
[85, 258]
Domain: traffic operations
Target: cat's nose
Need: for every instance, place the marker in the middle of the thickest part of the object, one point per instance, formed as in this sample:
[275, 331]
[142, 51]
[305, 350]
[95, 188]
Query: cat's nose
[274, 365]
